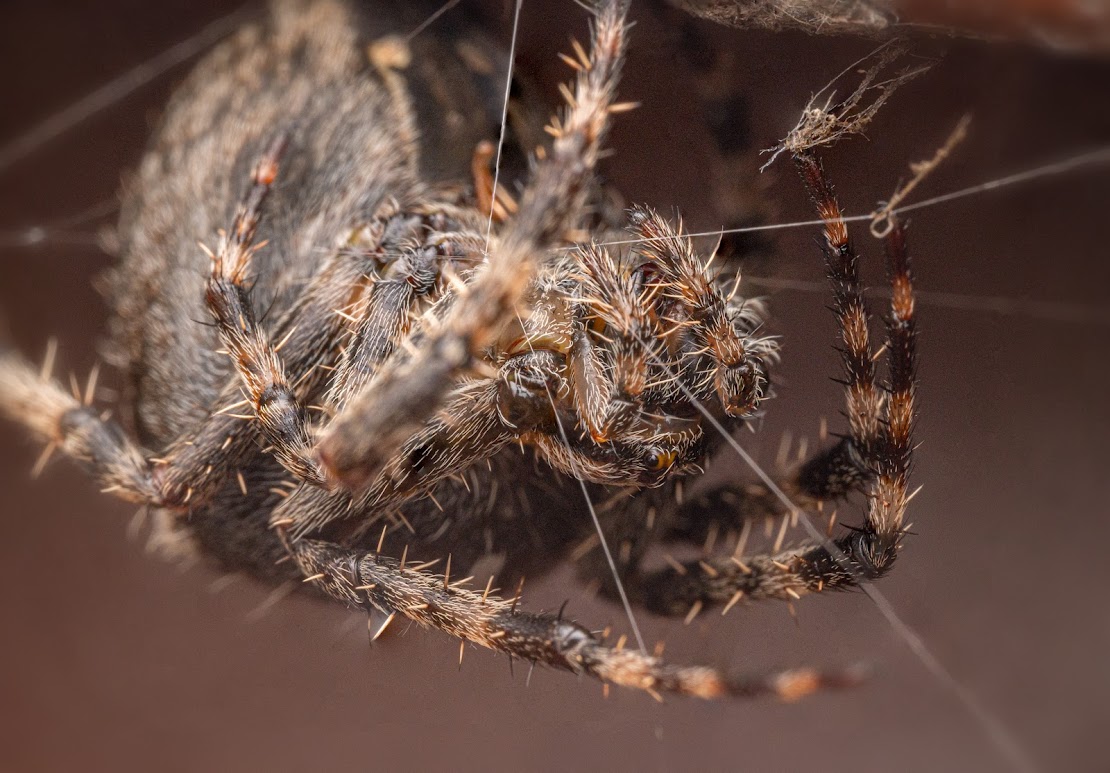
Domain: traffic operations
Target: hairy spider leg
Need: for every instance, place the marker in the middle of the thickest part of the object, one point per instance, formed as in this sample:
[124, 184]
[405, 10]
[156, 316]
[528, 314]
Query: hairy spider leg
[466, 430]
[281, 416]
[69, 422]
[369, 580]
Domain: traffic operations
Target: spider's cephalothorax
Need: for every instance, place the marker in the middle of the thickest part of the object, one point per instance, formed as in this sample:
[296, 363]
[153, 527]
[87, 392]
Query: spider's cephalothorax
[440, 365]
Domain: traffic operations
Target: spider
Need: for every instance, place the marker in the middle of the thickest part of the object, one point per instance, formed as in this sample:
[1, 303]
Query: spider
[376, 352]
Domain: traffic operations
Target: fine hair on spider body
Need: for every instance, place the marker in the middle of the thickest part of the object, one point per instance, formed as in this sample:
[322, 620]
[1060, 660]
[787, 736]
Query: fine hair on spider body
[387, 330]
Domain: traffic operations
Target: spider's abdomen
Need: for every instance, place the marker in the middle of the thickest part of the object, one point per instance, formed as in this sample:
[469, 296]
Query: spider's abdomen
[352, 113]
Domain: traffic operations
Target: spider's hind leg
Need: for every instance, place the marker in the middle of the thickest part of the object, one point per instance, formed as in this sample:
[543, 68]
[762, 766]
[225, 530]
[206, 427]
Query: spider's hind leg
[368, 579]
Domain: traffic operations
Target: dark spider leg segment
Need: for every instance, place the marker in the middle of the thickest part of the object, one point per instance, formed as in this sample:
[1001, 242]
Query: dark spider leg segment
[865, 404]
[786, 575]
[378, 422]
[280, 415]
[894, 469]
[682, 589]
[882, 440]
[370, 580]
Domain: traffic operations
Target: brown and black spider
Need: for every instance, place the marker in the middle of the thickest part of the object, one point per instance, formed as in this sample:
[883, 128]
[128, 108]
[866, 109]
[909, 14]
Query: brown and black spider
[400, 361]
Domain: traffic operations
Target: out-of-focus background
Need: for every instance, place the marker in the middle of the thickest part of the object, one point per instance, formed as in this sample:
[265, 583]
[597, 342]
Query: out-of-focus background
[111, 660]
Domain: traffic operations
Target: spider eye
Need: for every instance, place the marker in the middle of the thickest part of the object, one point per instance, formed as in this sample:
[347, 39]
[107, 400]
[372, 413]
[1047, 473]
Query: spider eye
[663, 460]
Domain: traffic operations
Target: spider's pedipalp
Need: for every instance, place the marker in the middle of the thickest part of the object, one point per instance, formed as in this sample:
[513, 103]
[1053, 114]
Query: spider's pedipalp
[612, 306]
[737, 373]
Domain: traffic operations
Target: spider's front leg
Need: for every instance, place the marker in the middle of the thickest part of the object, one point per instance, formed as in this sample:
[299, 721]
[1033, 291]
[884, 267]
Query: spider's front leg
[657, 340]
[379, 421]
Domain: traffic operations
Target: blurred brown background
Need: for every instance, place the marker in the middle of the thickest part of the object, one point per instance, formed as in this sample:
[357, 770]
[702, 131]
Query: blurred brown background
[111, 660]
